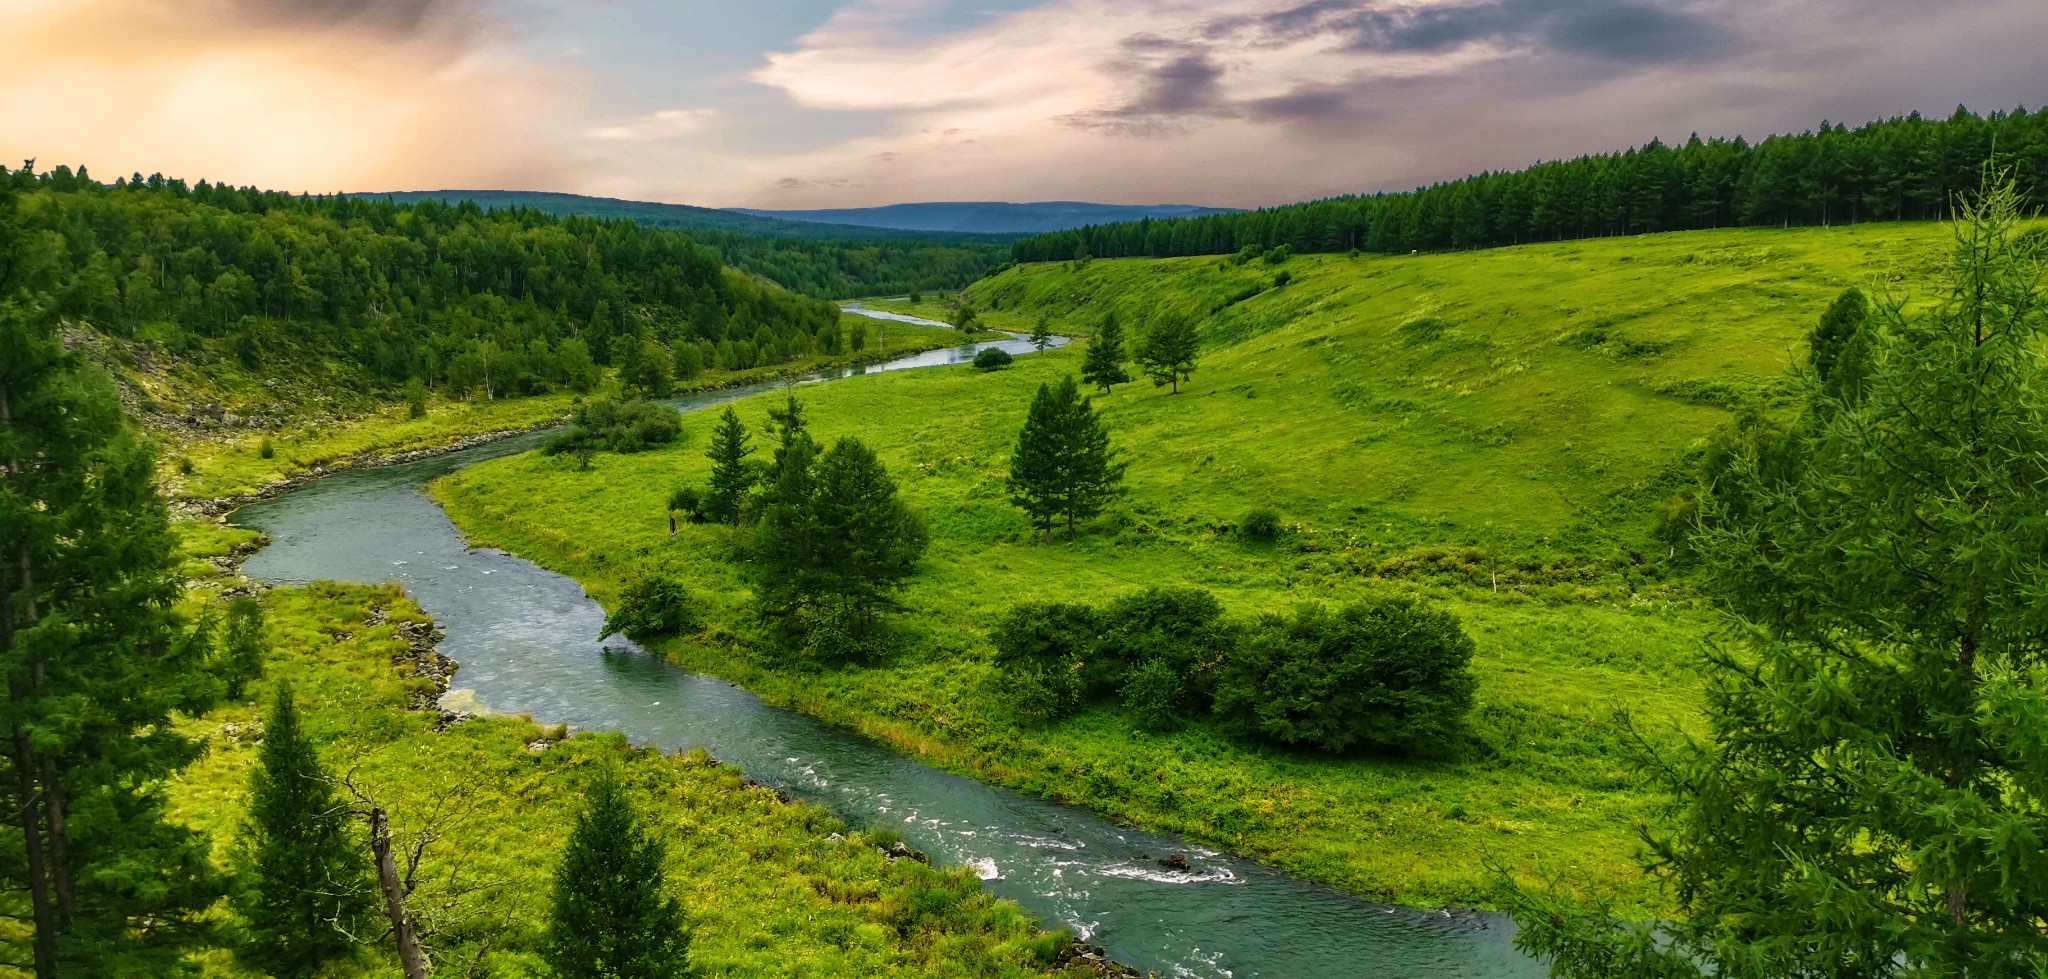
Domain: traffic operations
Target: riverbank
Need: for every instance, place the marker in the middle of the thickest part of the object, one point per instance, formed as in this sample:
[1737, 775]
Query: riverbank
[773, 887]
[1541, 786]
[210, 469]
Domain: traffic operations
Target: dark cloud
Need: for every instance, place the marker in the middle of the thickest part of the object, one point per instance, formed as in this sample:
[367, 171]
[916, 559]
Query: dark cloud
[1572, 43]
[395, 17]
[1622, 30]
[1175, 81]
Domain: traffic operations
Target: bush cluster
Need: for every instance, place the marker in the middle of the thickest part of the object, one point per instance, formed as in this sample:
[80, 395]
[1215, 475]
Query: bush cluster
[616, 426]
[992, 358]
[1387, 674]
[656, 605]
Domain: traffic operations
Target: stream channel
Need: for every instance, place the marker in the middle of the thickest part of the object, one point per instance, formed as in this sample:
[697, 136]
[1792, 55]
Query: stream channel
[526, 639]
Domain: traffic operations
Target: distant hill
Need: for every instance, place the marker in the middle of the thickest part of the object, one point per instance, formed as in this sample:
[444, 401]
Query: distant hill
[988, 217]
[828, 261]
[688, 217]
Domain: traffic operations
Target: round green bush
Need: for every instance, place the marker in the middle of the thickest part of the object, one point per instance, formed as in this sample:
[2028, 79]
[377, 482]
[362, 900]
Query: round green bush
[992, 358]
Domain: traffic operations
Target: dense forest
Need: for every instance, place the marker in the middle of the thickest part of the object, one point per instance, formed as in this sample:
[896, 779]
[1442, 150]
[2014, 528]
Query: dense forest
[1897, 169]
[453, 297]
[828, 261]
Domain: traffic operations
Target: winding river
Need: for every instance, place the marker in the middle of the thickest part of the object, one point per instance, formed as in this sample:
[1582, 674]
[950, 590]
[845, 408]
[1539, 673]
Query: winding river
[526, 639]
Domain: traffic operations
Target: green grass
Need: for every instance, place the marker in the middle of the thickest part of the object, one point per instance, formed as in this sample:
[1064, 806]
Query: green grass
[768, 894]
[231, 464]
[1493, 430]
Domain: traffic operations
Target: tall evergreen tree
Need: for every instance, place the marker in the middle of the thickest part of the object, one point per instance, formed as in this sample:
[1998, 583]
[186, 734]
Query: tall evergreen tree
[1041, 333]
[611, 918]
[1168, 353]
[731, 478]
[1064, 466]
[1837, 350]
[1103, 364]
[787, 537]
[869, 541]
[1871, 799]
[94, 658]
[304, 884]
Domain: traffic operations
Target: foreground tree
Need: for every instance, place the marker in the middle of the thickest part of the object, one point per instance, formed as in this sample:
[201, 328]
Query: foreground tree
[304, 885]
[95, 660]
[1103, 364]
[1871, 800]
[731, 478]
[1064, 467]
[611, 918]
[1168, 353]
[868, 541]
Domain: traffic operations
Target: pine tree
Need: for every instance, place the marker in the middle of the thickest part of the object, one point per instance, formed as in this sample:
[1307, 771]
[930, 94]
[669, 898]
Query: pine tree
[1103, 365]
[95, 659]
[1837, 349]
[242, 646]
[611, 919]
[787, 537]
[1870, 801]
[304, 885]
[1041, 333]
[868, 540]
[1064, 465]
[1168, 353]
[731, 478]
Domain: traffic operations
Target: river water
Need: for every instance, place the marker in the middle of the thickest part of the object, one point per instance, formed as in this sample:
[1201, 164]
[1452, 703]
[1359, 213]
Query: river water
[527, 642]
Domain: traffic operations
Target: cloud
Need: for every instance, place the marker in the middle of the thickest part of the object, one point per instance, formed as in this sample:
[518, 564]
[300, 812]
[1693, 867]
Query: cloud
[291, 94]
[663, 124]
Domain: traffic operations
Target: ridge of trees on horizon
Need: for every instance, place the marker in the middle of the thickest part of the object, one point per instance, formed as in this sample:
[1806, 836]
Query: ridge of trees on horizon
[1902, 168]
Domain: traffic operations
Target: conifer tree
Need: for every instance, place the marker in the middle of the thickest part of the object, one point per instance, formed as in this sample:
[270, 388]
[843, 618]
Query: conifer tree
[1064, 466]
[1870, 800]
[242, 646]
[787, 537]
[1168, 353]
[611, 919]
[304, 884]
[95, 659]
[1103, 365]
[731, 478]
[1837, 349]
[868, 540]
[1041, 333]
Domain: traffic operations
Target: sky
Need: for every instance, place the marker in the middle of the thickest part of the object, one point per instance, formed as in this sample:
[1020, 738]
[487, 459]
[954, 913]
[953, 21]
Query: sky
[850, 103]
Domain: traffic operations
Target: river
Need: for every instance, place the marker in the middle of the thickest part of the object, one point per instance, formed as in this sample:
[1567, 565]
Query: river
[527, 642]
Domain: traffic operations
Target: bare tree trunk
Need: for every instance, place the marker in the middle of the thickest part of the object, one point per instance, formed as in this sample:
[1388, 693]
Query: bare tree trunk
[394, 896]
[60, 841]
[25, 767]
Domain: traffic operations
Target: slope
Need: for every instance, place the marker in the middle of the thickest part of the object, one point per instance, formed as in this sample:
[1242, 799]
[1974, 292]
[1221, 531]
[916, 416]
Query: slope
[1494, 430]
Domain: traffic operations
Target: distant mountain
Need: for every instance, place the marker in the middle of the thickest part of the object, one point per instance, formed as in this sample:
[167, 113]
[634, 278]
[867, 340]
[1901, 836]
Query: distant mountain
[987, 217]
[692, 218]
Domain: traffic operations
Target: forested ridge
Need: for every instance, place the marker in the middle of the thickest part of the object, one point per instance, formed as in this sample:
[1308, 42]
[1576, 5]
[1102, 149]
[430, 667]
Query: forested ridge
[1907, 168]
[453, 297]
[829, 261]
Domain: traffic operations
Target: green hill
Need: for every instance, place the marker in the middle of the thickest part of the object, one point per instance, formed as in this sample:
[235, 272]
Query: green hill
[1496, 430]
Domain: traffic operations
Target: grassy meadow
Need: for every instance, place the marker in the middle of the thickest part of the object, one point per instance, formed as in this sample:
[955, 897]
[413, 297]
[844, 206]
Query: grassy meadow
[767, 892]
[1497, 431]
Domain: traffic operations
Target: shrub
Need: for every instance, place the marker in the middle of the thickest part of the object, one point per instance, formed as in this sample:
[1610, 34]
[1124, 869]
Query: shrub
[1282, 278]
[1261, 524]
[264, 450]
[628, 426]
[992, 358]
[1154, 693]
[656, 605]
[1044, 690]
[1177, 629]
[1279, 254]
[1041, 632]
[1388, 673]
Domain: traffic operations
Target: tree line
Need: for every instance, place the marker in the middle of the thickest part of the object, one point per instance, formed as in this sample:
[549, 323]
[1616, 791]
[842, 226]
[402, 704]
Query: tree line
[1906, 168]
[452, 297]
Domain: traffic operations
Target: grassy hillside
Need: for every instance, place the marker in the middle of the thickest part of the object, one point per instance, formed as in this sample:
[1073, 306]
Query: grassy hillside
[1495, 430]
[767, 891]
